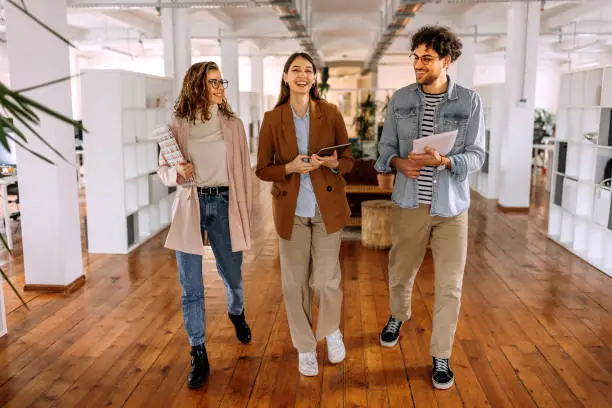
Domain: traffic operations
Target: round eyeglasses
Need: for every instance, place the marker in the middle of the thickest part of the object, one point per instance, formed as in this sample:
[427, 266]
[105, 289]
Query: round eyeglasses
[215, 83]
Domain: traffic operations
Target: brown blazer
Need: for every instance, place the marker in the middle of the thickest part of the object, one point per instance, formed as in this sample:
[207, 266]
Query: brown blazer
[278, 146]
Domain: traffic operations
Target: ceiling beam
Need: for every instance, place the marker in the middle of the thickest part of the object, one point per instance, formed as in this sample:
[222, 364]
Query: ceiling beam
[221, 17]
[296, 24]
[129, 19]
[393, 26]
[343, 20]
[566, 14]
[479, 13]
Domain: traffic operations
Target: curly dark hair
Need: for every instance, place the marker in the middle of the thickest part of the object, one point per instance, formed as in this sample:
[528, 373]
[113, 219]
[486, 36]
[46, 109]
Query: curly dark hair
[441, 39]
[193, 102]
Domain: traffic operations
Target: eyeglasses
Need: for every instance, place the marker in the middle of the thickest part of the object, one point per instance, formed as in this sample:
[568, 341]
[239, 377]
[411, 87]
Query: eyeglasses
[425, 59]
[216, 82]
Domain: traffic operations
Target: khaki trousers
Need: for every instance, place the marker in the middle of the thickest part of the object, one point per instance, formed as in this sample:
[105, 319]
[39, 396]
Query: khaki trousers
[411, 229]
[310, 263]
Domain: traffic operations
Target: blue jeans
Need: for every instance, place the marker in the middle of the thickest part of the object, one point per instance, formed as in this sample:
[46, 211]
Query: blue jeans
[215, 220]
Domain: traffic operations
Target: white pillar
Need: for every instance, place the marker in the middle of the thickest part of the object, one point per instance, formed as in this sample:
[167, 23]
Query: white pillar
[257, 82]
[177, 44]
[229, 68]
[517, 121]
[48, 193]
[466, 64]
[75, 84]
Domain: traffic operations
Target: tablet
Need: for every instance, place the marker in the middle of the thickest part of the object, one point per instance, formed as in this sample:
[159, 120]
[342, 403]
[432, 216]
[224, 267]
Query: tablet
[328, 151]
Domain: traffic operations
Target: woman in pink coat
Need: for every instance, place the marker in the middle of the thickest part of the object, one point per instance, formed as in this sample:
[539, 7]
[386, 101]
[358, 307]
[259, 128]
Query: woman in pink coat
[213, 141]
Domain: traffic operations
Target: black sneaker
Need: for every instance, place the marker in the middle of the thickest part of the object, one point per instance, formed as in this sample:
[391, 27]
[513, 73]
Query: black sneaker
[391, 332]
[442, 376]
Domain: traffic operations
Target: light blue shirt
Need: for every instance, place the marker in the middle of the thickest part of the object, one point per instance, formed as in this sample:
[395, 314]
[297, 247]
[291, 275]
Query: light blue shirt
[306, 201]
[460, 109]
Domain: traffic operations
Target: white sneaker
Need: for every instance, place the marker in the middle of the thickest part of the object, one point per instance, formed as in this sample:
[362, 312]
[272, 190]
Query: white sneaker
[336, 352]
[308, 364]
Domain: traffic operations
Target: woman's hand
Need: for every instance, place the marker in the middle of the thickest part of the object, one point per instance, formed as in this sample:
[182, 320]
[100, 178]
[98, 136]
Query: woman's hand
[298, 165]
[331, 162]
[185, 170]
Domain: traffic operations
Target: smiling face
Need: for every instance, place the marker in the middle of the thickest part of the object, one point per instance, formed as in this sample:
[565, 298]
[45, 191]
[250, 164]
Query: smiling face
[428, 66]
[300, 76]
[214, 88]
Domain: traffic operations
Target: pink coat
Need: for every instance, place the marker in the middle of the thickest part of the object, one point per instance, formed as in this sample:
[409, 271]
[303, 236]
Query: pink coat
[185, 234]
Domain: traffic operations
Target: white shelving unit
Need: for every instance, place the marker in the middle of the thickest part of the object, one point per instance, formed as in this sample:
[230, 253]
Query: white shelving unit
[126, 201]
[580, 202]
[485, 181]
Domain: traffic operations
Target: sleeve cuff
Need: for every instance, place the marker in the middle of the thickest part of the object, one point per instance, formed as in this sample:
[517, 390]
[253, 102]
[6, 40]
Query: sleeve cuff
[386, 165]
[458, 168]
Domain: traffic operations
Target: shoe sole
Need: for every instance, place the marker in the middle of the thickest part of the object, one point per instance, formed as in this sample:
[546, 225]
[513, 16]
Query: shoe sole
[444, 386]
[388, 343]
[309, 374]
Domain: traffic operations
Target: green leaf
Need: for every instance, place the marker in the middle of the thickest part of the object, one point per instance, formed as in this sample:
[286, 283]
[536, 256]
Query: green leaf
[31, 129]
[43, 25]
[6, 277]
[50, 112]
[56, 81]
[19, 143]
[23, 302]
[6, 124]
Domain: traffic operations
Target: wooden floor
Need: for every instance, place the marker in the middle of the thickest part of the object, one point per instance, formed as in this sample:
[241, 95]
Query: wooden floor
[535, 330]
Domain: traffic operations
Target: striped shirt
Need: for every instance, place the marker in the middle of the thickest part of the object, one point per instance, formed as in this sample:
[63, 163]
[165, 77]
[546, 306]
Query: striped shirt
[425, 179]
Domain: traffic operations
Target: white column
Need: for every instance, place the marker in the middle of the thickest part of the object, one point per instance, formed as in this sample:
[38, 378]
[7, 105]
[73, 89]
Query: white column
[257, 81]
[177, 44]
[517, 120]
[229, 68]
[48, 193]
[75, 84]
[466, 64]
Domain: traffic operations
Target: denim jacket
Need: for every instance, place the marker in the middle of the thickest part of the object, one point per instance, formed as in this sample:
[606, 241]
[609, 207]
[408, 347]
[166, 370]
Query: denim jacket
[460, 109]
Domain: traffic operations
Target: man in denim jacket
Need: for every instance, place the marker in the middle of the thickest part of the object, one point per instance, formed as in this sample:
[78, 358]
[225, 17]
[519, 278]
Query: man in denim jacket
[431, 190]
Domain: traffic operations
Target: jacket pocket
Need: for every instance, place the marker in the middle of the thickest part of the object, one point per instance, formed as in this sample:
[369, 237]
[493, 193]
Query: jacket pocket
[275, 190]
[407, 123]
[457, 122]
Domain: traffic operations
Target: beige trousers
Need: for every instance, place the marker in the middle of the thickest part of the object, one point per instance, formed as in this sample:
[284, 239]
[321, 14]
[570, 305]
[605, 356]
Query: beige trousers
[411, 229]
[310, 263]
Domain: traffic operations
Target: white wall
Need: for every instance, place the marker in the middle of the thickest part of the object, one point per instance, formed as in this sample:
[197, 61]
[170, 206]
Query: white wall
[548, 83]
[395, 76]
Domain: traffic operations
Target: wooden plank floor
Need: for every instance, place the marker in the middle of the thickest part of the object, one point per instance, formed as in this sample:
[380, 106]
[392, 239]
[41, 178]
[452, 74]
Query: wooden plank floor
[535, 330]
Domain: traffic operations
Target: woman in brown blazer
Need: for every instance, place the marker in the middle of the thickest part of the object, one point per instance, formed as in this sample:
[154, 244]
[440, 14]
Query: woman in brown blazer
[309, 206]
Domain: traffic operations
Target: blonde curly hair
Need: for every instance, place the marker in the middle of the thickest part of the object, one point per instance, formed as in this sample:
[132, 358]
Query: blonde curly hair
[193, 99]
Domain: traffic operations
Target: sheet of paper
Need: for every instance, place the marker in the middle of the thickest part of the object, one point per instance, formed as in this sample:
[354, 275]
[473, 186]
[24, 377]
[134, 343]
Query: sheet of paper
[442, 142]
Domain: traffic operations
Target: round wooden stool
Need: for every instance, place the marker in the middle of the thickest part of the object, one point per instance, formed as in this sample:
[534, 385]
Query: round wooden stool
[376, 224]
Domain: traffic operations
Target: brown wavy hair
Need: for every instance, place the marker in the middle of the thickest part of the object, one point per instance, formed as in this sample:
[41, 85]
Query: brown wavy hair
[193, 102]
[285, 92]
[441, 39]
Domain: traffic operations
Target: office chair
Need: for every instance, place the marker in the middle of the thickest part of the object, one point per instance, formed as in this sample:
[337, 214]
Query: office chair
[13, 189]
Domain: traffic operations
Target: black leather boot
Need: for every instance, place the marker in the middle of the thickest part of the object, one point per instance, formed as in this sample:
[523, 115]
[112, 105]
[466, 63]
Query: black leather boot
[243, 332]
[199, 367]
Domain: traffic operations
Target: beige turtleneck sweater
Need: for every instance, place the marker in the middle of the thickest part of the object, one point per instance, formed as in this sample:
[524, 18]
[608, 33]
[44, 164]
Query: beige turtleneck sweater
[208, 152]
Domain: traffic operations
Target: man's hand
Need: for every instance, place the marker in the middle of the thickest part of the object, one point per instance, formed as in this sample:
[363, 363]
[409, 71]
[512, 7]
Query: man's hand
[430, 158]
[407, 166]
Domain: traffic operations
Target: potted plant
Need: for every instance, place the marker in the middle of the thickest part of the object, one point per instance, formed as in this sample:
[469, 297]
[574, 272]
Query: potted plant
[324, 85]
[23, 111]
[385, 180]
